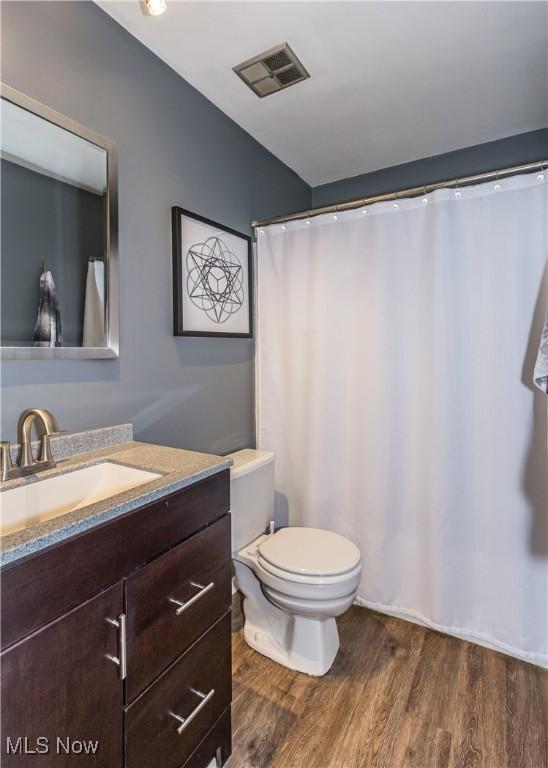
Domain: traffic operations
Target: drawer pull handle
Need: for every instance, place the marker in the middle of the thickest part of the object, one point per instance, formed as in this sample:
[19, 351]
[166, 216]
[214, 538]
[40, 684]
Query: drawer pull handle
[183, 606]
[184, 721]
[121, 659]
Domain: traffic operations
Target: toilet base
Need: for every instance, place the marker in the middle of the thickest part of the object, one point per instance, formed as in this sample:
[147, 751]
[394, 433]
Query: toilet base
[312, 646]
[301, 643]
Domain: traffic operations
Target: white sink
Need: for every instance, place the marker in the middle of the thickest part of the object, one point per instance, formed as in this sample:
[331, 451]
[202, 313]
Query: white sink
[54, 496]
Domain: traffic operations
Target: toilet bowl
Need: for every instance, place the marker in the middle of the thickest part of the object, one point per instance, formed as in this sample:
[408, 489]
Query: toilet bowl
[295, 581]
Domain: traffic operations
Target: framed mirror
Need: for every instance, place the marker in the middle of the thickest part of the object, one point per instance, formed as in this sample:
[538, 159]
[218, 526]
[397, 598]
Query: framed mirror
[59, 261]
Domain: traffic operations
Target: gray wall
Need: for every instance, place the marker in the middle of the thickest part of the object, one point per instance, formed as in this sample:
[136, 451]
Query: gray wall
[175, 148]
[504, 153]
[45, 220]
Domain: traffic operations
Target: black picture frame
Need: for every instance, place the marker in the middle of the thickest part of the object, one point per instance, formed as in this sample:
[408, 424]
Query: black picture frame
[178, 273]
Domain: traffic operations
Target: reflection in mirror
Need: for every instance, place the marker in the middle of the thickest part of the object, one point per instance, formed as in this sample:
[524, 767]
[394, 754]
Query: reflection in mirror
[55, 236]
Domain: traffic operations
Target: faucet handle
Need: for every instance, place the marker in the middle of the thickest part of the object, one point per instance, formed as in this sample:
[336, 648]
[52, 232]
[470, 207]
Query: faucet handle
[5, 458]
[45, 454]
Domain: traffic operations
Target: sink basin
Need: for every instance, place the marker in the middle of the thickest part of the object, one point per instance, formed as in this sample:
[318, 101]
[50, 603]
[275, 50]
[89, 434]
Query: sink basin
[54, 496]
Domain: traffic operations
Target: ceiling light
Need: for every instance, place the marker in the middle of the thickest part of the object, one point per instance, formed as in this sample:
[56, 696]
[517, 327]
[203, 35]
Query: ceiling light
[155, 7]
[540, 177]
[457, 195]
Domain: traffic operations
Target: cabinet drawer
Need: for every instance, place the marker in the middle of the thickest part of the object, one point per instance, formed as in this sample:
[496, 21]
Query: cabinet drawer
[196, 575]
[154, 737]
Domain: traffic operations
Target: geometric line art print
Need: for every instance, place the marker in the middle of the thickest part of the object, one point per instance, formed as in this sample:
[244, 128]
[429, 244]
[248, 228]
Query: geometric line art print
[214, 279]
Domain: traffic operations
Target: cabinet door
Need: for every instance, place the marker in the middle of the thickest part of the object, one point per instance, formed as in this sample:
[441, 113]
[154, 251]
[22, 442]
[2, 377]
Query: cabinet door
[62, 695]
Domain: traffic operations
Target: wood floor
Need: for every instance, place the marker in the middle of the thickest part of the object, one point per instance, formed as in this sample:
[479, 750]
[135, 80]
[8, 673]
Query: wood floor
[398, 695]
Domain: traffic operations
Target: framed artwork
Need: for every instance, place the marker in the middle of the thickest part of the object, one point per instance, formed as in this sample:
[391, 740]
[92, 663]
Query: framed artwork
[212, 278]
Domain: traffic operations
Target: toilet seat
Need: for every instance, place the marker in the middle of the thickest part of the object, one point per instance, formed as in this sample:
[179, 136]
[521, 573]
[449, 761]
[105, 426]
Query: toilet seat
[316, 591]
[308, 555]
[301, 586]
[301, 578]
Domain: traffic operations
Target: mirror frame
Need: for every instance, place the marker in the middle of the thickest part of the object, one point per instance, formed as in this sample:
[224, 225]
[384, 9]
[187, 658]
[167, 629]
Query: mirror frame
[112, 319]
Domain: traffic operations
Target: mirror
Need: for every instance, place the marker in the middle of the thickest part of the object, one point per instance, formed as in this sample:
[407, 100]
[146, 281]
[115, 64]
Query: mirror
[58, 271]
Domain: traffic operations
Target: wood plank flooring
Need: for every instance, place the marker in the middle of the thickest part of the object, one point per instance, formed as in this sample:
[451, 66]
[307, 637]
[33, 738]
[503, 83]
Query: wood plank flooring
[398, 696]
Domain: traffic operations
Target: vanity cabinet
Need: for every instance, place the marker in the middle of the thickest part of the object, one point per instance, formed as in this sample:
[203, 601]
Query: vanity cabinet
[125, 640]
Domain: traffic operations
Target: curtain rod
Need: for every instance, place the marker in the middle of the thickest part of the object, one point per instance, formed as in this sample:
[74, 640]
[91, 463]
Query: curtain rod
[410, 192]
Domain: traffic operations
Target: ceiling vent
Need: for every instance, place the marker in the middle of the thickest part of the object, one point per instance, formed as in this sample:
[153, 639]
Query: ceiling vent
[272, 71]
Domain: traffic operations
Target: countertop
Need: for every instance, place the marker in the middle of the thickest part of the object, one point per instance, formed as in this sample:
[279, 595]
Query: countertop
[179, 469]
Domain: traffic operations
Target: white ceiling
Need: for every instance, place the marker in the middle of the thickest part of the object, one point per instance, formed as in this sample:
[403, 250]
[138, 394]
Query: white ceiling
[391, 82]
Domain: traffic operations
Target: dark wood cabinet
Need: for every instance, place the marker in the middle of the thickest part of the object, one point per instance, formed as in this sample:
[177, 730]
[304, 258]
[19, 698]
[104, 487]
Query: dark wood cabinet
[62, 696]
[107, 633]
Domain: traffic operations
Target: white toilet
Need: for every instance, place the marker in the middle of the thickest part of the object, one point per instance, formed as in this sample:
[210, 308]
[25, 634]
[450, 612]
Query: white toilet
[294, 581]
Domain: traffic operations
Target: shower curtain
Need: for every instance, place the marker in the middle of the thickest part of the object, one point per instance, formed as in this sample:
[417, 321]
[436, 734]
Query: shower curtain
[395, 362]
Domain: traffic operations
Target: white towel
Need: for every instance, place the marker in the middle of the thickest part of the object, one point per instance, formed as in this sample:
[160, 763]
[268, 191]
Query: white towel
[540, 376]
[94, 307]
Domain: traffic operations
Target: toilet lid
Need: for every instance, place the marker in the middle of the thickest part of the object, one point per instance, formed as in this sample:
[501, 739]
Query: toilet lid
[311, 551]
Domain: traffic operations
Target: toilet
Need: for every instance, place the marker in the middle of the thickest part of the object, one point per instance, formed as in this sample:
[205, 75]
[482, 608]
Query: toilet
[294, 581]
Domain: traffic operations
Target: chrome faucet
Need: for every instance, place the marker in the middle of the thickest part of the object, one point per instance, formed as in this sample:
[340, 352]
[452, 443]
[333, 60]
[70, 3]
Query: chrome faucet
[46, 425]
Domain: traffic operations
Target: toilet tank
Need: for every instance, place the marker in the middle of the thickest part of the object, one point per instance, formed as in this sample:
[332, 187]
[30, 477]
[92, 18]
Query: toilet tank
[251, 495]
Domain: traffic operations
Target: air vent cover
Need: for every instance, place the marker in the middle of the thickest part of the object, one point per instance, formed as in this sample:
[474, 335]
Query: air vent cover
[272, 71]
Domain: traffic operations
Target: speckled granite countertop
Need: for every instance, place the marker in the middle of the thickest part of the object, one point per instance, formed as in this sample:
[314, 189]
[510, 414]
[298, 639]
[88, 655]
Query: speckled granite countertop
[178, 469]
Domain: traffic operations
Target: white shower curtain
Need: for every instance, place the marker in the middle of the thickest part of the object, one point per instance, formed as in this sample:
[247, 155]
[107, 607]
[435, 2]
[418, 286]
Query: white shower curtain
[394, 383]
